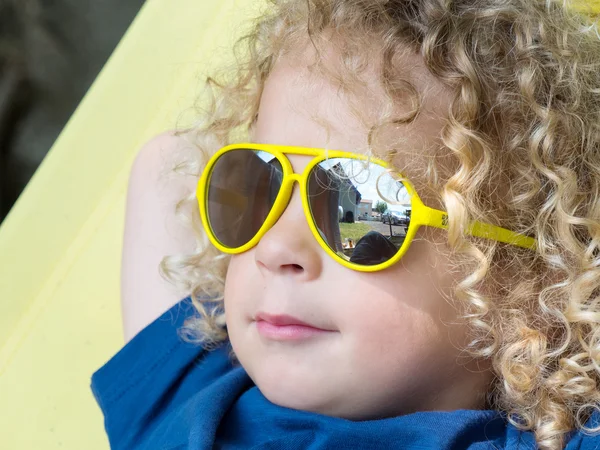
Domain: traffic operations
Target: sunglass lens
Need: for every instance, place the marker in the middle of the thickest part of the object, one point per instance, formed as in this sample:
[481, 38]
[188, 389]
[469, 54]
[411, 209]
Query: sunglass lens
[360, 210]
[242, 189]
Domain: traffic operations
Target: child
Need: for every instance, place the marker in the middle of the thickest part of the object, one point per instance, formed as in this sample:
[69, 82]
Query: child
[480, 330]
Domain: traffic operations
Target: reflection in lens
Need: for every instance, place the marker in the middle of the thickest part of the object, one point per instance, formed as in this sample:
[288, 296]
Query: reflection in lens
[242, 189]
[375, 209]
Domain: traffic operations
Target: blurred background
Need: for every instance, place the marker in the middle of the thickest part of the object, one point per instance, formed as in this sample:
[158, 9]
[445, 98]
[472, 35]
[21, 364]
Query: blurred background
[50, 53]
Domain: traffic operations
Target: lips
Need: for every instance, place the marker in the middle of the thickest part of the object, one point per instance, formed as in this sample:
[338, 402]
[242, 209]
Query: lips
[282, 320]
[282, 327]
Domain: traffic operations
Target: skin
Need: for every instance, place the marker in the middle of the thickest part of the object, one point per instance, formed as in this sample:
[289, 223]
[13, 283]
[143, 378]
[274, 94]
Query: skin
[395, 338]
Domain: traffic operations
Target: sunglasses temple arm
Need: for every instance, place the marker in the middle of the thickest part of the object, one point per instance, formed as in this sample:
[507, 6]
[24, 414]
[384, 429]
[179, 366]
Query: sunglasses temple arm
[439, 219]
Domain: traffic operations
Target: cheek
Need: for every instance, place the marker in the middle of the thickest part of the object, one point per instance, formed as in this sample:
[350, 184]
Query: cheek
[398, 351]
[393, 328]
[241, 287]
[400, 319]
[238, 295]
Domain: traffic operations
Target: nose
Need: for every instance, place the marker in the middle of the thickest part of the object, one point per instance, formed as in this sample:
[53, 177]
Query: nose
[289, 248]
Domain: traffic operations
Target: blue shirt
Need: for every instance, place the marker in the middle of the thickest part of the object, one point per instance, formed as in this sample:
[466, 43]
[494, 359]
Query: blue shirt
[159, 392]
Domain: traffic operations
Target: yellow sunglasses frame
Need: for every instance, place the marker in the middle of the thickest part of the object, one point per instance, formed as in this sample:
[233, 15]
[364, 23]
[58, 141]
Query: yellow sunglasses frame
[421, 215]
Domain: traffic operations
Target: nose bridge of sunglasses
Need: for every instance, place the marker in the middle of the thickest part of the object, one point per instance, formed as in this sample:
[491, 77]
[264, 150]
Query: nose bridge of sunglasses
[287, 188]
[285, 197]
[295, 177]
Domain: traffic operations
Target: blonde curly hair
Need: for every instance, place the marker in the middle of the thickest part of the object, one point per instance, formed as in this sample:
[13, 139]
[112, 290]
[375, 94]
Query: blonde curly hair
[523, 136]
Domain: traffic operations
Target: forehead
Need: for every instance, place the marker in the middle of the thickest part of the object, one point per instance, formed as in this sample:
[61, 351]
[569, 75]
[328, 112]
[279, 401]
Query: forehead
[301, 106]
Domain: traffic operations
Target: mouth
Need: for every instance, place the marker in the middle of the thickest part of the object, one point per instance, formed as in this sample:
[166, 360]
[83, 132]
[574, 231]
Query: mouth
[286, 328]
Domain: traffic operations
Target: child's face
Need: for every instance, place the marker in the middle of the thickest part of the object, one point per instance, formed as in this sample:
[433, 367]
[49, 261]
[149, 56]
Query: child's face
[394, 339]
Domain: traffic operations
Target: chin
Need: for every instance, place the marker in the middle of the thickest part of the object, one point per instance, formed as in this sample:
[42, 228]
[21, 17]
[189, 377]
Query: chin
[295, 393]
[302, 403]
[316, 403]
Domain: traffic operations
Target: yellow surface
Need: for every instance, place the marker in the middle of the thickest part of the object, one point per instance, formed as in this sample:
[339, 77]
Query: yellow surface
[587, 6]
[60, 246]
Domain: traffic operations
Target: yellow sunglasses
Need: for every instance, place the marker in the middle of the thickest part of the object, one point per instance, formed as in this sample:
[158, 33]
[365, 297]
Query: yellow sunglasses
[361, 211]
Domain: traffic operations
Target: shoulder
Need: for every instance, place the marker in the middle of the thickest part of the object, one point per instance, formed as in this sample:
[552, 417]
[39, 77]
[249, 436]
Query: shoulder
[587, 439]
[152, 231]
[146, 389]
